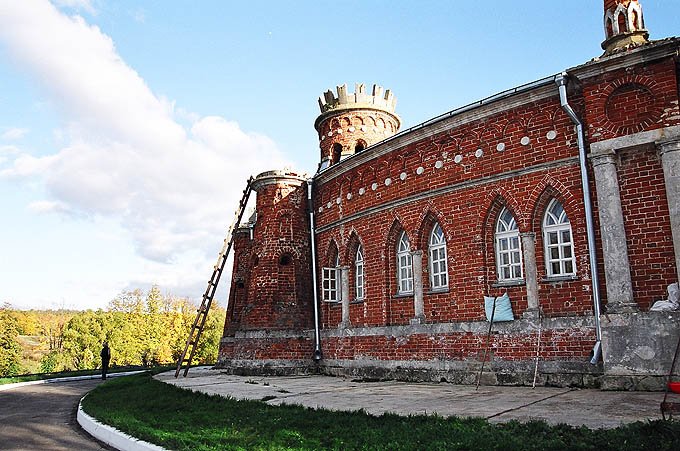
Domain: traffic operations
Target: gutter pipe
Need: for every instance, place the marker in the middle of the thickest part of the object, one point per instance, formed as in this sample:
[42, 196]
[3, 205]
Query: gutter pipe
[562, 80]
[317, 340]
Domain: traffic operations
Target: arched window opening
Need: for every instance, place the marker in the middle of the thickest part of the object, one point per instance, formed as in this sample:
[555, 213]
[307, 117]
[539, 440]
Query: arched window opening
[404, 265]
[557, 239]
[359, 146]
[439, 273]
[359, 273]
[508, 248]
[285, 260]
[337, 152]
[623, 25]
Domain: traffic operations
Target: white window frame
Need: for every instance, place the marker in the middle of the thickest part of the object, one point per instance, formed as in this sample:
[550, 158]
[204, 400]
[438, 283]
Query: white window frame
[404, 265]
[558, 227]
[509, 264]
[330, 283]
[359, 290]
[439, 271]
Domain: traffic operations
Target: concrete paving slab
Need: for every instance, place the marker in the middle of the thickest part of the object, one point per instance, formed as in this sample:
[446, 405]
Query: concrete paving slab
[592, 408]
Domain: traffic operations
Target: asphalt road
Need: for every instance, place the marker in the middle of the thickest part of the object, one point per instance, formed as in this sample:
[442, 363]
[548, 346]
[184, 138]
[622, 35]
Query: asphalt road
[43, 417]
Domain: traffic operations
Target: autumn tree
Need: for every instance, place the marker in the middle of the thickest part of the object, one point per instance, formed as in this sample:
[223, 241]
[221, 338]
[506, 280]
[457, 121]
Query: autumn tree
[10, 351]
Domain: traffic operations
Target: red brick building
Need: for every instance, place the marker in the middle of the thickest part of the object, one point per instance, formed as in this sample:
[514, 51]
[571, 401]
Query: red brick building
[563, 193]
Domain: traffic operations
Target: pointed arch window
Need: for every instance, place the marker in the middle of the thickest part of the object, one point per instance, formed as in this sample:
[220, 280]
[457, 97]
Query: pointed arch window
[404, 265]
[508, 248]
[359, 273]
[439, 274]
[558, 242]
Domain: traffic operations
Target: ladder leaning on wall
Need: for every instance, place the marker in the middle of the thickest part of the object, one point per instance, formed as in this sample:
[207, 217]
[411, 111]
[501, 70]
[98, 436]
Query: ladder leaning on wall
[202, 315]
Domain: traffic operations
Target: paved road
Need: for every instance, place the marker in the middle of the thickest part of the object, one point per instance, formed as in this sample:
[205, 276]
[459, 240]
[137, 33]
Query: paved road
[43, 417]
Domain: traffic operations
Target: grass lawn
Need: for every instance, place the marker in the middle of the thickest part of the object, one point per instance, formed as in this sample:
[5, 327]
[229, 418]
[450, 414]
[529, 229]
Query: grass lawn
[43, 376]
[180, 419]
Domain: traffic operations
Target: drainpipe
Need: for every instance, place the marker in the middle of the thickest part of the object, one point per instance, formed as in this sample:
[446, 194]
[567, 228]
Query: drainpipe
[317, 339]
[561, 81]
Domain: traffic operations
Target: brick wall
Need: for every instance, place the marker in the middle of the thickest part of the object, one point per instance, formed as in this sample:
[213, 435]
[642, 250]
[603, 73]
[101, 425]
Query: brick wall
[647, 223]
[631, 100]
[534, 134]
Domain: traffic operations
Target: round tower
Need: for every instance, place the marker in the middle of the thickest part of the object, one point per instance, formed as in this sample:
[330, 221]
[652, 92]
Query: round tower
[279, 289]
[349, 123]
[624, 26]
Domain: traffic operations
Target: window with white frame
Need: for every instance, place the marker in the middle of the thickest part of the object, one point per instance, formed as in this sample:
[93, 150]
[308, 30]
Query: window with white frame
[557, 238]
[508, 249]
[439, 275]
[359, 273]
[330, 287]
[404, 265]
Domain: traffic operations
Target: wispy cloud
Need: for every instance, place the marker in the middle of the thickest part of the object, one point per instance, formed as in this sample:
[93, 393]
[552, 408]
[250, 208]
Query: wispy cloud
[125, 152]
[13, 133]
[138, 15]
[49, 207]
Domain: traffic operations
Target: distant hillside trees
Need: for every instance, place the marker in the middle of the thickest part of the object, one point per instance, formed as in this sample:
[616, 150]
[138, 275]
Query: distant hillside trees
[10, 351]
[142, 328]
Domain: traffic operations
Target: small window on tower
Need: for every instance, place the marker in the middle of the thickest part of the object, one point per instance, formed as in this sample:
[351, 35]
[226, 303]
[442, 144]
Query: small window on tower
[337, 152]
[284, 260]
[359, 146]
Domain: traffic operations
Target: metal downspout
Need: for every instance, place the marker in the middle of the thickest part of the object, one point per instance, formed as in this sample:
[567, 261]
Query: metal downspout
[317, 340]
[561, 81]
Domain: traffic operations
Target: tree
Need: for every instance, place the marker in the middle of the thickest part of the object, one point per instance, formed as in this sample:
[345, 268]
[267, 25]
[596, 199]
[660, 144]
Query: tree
[10, 350]
[28, 322]
[83, 337]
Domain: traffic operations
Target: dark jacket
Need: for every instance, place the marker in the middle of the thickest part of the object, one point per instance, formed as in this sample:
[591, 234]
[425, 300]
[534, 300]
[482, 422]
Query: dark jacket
[105, 354]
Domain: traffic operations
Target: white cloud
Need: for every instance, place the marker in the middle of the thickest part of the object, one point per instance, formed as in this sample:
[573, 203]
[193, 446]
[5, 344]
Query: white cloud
[49, 207]
[125, 153]
[27, 166]
[13, 133]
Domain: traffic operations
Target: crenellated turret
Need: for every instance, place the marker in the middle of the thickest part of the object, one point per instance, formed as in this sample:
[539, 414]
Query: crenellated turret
[328, 101]
[351, 122]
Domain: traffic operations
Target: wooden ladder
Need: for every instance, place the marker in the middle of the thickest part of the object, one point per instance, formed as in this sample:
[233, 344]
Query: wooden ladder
[202, 314]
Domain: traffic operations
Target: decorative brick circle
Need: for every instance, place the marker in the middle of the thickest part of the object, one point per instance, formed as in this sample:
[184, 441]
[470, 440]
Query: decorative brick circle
[631, 94]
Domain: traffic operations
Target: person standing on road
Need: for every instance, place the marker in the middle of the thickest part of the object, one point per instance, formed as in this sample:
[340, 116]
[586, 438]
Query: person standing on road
[106, 358]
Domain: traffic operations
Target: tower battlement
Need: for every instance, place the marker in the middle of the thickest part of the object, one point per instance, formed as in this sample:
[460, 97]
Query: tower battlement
[360, 98]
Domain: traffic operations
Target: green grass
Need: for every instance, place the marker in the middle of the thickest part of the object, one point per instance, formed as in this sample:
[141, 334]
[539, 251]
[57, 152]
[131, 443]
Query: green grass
[43, 376]
[180, 419]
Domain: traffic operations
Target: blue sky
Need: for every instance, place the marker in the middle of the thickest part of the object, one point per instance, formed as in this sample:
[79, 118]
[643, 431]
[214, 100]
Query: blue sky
[128, 129]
